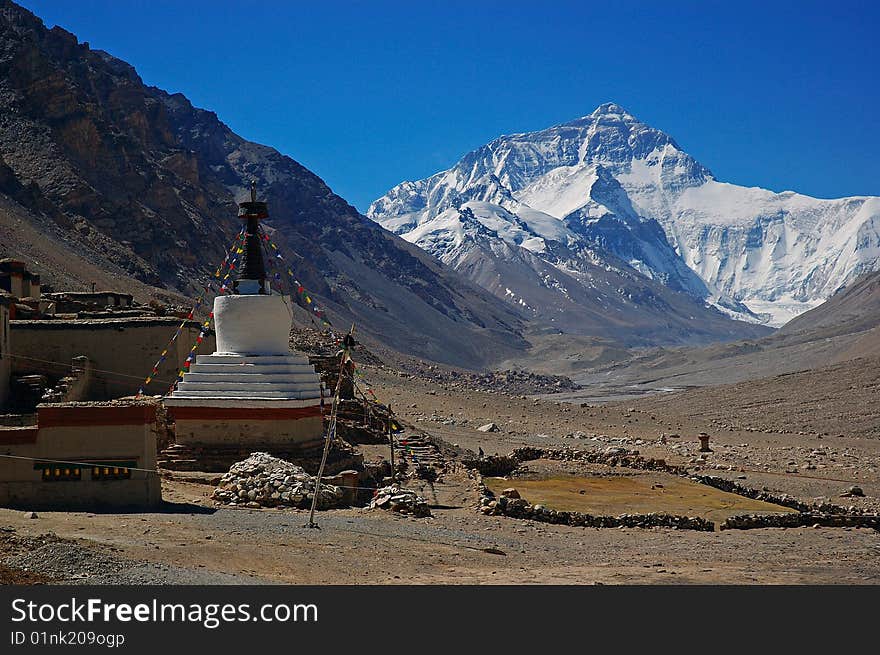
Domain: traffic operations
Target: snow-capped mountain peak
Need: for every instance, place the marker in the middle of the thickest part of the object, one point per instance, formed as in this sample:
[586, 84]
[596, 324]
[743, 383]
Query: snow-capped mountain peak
[623, 188]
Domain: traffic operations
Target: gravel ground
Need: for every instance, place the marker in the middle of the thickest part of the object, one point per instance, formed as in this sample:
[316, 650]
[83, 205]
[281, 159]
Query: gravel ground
[192, 541]
[63, 561]
[457, 545]
[787, 459]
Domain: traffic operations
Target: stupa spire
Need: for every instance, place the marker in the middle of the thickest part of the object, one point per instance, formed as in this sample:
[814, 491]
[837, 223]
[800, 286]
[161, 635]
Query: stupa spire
[252, 273]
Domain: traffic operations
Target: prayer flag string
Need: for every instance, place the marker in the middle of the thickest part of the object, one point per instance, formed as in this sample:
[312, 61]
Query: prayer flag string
[228, 261]
[307, 301]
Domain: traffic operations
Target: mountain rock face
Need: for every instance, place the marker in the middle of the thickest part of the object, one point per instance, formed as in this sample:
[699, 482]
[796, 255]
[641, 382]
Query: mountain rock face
[141, 182]
[625, 194]
[565, 284]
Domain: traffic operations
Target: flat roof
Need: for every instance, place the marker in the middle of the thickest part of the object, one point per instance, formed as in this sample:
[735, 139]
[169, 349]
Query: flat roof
[82, 294]
[128, 401]
[110, 323]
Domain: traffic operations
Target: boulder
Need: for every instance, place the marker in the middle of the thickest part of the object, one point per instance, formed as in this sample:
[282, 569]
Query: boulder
[399, 499]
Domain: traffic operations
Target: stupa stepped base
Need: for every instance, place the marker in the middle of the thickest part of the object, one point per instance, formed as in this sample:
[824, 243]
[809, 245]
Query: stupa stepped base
[232, 404]
[235, 359]
[236, 377]
[242, 391]
[246, 425]
[233, 377]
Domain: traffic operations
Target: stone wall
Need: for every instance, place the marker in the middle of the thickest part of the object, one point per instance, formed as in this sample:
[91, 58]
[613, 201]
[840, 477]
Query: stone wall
[328, 366]
[216, 434]
[122, 351]
[362, 422]
[18, 420]
[777, 499]
[251, 434]
[822, 514]
[92, 449]
[75, 301]
[801, 520]
[520, 508]
[214, 459]
[495, 466]
[503, 465]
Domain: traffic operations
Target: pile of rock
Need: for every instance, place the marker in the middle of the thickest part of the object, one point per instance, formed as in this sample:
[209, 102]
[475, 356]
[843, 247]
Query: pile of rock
[262, 480]
[398, 499]
[853, 492]
[324, 343]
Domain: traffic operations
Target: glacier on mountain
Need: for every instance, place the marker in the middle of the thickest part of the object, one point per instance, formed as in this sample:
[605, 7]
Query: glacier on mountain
[611, 191]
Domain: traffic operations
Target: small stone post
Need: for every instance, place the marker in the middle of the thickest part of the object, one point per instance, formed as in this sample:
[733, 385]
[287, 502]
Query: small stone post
[704, 443]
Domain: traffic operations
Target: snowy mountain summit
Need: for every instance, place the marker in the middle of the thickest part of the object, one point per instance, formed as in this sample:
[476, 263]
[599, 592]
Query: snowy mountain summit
[529, 214]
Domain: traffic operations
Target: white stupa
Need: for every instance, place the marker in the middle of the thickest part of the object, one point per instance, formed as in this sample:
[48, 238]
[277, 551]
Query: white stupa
[253, 391]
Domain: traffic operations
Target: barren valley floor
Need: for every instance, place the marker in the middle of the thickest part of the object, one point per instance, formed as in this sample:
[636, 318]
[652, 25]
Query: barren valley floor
[194, 541]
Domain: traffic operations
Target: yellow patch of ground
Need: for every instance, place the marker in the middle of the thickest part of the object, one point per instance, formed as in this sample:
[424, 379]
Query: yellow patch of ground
[636, 494]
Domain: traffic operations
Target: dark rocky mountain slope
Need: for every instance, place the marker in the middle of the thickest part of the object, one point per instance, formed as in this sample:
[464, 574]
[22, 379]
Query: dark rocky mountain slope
[139, 181]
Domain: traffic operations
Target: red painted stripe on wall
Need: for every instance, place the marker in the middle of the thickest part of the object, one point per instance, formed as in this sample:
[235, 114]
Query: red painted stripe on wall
[243, 413]
[16, 437]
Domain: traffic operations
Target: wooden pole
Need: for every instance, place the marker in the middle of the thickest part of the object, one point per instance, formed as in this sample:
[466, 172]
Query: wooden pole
[391, 443]
[331, 429]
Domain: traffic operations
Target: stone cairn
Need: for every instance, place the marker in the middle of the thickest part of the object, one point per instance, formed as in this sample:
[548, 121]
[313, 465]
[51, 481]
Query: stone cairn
[398, 499]
[262, 480]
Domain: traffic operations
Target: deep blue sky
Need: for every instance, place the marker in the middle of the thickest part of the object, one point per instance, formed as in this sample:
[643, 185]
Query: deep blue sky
[783, 95]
